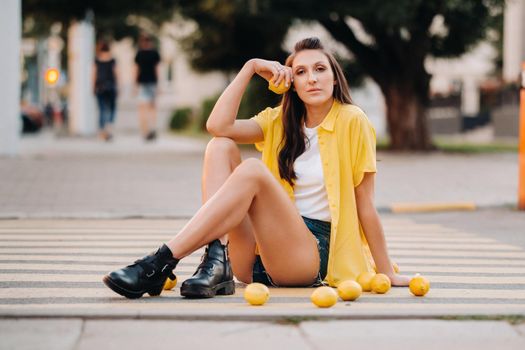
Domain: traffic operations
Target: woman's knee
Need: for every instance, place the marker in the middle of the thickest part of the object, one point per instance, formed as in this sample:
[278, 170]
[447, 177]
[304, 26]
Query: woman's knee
[223, 145]
[253, 169]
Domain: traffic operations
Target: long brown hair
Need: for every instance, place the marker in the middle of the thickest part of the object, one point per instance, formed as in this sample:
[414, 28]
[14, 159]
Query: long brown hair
[294, 112]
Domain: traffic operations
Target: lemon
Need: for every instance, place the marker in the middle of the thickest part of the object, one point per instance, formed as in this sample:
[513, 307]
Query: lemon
[349, 290]
[380, 283]
[256, 294]
[170, 283]
[278, 89]
[364, 279]
[324, 297]
[419, 285]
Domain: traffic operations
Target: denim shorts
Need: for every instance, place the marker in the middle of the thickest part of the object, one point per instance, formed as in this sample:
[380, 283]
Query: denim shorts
[321, 231]
[147, 92]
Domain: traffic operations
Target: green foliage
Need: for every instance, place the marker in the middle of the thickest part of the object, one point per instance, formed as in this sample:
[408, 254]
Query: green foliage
[206, 108]
[180, 118]
[233, 31]
[256, 98]
[110, 17]
[64, 9]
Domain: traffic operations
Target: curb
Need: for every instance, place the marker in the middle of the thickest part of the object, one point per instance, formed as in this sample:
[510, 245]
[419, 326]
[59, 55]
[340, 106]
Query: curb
[432, 207]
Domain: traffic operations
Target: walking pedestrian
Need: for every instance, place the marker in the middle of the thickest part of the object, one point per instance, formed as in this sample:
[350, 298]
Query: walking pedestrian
[146, 63]
[105, 89]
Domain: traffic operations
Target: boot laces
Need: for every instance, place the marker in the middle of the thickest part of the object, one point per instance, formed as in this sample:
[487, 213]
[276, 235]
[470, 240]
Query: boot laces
[205, 264]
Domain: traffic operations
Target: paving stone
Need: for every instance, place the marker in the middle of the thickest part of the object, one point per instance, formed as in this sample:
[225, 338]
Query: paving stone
[39, 334]
[413, 334]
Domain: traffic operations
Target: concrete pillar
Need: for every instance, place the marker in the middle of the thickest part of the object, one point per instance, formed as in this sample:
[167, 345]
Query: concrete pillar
[513, 40]
[81, 101]
[470, 97]
[10, 22]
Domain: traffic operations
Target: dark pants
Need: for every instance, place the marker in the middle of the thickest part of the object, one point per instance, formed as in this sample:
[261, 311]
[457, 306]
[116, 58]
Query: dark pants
[106, 106]
[321, 231]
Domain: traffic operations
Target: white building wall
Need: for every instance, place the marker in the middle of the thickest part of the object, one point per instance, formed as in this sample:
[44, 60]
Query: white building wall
[81, 101]
[10, 22]
[513, 40]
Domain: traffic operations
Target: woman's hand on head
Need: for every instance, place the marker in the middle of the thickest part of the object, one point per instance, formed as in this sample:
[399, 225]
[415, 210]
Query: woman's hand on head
[273, 71]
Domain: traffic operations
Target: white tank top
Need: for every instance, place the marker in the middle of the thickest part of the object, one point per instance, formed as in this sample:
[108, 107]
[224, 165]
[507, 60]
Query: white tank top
[311, 199]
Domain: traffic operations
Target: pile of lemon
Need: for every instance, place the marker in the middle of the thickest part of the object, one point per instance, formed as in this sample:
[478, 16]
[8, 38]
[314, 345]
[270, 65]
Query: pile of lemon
[258, 294]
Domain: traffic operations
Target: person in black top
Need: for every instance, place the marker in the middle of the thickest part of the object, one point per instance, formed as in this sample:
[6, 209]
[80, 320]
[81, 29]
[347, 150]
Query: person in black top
[147, 60]
[105, 89]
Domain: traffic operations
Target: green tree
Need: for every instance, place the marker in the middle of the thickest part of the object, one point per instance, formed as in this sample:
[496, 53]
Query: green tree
[393, 52]
[110, 17]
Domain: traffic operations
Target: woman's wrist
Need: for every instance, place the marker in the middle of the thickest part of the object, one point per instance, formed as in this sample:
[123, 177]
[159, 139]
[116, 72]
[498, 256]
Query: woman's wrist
[250, 66]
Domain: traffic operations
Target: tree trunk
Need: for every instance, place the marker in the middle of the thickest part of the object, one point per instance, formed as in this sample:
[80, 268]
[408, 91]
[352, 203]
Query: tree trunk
[406, 116]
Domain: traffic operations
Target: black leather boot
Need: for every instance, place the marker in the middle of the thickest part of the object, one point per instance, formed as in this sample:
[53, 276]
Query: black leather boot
[146, 275]
[214, 275]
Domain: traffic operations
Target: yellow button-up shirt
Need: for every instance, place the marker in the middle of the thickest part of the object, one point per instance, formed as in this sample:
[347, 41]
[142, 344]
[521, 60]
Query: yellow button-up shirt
[347, 144]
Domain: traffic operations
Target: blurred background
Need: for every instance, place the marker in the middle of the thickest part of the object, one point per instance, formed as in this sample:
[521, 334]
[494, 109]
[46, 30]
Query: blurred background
[425, 72]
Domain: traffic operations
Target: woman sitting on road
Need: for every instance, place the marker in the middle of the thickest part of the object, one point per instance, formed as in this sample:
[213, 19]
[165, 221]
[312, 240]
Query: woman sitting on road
[304, 215]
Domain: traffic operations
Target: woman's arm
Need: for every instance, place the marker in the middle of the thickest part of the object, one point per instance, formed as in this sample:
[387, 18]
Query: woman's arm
[223, 118]
[369, 219]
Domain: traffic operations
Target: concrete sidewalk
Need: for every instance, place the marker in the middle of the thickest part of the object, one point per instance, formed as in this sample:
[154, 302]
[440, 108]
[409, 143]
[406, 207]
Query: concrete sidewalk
[78, 334]
[87, 178]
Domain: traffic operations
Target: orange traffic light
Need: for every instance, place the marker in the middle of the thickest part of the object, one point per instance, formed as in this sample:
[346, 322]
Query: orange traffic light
[52, 75]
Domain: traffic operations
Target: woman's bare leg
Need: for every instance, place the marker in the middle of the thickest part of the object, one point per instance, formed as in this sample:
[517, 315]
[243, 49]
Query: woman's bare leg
[143, 118]
[288, 249]
[221, 158]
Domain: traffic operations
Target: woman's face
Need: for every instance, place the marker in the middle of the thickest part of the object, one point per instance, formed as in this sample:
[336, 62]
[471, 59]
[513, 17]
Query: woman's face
[313, 77]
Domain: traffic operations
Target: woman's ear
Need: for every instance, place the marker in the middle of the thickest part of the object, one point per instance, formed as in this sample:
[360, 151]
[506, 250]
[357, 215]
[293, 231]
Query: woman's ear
[335, 82]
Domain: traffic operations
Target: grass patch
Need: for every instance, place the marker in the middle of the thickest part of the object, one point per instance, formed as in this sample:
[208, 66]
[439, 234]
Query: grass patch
[476, 148]
[450, 146]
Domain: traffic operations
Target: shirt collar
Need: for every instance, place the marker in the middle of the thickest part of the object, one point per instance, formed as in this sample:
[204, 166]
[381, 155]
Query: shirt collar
[329, 121]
